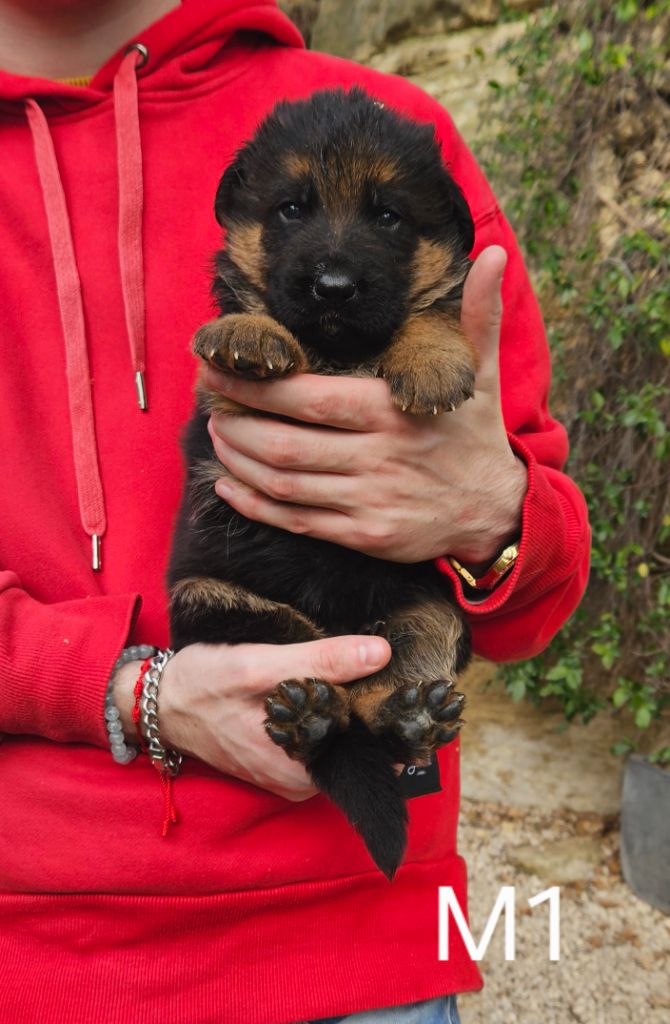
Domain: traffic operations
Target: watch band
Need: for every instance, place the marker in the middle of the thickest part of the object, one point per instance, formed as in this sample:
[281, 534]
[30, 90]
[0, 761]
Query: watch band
[492, 576]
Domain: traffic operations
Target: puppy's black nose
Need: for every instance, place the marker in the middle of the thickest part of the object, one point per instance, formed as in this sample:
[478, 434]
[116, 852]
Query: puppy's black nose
[335, 286]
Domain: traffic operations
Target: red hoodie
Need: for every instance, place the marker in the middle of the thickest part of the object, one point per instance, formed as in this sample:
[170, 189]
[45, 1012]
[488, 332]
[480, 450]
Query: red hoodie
[254, 910]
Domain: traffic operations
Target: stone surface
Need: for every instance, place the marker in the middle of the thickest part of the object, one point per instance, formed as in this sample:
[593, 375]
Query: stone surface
[645, 832]
[360, 29]
[456, 69]
[614, 949]
[303, 13]
[559, 863]
[522, 755]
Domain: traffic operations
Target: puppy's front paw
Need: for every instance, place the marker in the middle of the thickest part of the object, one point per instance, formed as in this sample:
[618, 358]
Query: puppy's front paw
[251, 345]
[432, 387]
[301, 713]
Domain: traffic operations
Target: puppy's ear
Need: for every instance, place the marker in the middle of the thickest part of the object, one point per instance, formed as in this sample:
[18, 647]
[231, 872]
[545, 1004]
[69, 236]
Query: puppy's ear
[459, 212]
[229, 192]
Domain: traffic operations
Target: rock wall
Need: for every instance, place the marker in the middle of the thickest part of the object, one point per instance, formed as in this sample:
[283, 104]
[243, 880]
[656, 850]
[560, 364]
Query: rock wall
[360, 28]
[450, 49]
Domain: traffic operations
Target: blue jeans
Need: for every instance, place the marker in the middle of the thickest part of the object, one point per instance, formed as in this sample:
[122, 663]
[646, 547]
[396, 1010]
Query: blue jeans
[430, 1011]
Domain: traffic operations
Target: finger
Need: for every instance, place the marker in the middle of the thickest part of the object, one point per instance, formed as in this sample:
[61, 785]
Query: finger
[324, 490]
[328, 524]
[288, 446]
[481, 313]
[351, 403]
[277, 773]
[337, 659]
[296, 795]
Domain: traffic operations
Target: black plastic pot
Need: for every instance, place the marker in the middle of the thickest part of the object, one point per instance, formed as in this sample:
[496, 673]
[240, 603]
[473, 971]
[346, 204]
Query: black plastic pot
[645, 831]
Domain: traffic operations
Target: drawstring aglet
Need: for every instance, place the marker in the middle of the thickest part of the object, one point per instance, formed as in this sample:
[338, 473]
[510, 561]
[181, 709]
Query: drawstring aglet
[96, 561]
[141, 391]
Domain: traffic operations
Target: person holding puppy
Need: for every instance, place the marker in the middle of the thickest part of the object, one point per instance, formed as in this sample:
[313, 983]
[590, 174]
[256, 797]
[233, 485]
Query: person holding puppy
[259, 905]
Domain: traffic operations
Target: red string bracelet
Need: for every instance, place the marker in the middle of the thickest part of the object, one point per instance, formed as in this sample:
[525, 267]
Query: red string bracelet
[165, 775]
[146, 664]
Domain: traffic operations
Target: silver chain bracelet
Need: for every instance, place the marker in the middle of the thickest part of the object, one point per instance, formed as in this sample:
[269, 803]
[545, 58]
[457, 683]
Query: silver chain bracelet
[169, 761]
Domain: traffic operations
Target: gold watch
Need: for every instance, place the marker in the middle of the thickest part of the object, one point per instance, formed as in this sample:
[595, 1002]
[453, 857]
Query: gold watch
[492, 576]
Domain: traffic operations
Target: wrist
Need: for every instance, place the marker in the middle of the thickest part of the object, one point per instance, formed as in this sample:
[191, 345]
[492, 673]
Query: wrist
[177, 728]
[123, 685]
[498, 525]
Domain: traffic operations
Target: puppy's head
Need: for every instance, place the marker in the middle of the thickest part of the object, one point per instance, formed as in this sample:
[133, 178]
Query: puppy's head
[342, 216]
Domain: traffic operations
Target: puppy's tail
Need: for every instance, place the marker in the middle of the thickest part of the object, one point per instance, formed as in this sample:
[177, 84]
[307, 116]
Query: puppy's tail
[355, 771]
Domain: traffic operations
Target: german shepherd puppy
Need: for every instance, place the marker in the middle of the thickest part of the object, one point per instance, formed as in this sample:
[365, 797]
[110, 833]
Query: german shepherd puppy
[346, 250]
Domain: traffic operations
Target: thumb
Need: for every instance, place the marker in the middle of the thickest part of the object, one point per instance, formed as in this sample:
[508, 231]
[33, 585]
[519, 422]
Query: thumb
[481, 313]
[337, 659]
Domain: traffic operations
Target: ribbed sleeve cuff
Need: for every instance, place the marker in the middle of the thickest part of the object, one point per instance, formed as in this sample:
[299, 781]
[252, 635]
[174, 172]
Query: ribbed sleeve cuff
[55, 662]
[551, 536]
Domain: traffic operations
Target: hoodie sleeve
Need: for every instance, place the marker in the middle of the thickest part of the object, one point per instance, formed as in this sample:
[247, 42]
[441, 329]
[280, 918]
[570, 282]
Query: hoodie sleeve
[520, 616]
[55, 661]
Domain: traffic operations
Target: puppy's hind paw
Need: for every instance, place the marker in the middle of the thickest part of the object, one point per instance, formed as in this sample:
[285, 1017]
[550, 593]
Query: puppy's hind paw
[302, 713]
[417, 719]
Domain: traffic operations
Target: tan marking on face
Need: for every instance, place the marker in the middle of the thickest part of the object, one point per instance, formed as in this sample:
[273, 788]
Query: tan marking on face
[245, 248]
[384, 170]
[296, 165]
[344, 180]
[435, 271]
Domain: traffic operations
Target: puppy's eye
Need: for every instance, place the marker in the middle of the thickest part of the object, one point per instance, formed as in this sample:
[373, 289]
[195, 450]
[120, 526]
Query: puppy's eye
[388, 218]
[290, 212]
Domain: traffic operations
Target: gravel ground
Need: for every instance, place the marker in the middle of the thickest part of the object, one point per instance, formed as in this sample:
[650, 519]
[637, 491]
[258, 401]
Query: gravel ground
[614, 966]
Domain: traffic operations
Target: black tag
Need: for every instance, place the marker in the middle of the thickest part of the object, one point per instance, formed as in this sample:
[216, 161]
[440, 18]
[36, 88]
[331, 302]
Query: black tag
[419, 780]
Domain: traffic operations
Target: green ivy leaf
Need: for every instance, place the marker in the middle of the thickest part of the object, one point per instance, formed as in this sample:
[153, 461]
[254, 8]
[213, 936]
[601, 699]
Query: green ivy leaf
[643, 718]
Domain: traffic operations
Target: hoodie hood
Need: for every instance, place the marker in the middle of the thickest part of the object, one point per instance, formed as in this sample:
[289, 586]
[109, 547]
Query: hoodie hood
[168, 58]
[180, 46]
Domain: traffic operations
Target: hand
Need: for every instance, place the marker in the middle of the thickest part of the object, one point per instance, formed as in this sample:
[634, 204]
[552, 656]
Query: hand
[395, 486]
[211, 702]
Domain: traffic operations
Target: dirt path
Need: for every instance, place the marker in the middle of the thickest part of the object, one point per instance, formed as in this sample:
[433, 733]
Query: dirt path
[553, 821]
[614, 965]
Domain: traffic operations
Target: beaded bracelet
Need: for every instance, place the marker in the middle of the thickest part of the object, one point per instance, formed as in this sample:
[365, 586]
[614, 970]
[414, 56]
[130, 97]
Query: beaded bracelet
[122, 752]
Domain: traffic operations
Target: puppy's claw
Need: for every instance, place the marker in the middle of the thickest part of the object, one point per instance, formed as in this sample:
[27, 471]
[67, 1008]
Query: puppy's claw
[269, 365]
[451, 712]
[295, 693]
[278, 736]
[279, 711]
[434, 410]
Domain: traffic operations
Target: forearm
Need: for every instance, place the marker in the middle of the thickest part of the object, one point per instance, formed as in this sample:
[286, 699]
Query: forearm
[55, 662]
